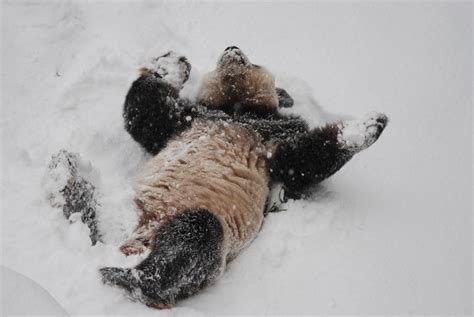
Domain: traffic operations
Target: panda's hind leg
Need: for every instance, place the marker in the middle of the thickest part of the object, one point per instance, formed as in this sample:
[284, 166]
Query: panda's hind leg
[187, 256]
[306, 159]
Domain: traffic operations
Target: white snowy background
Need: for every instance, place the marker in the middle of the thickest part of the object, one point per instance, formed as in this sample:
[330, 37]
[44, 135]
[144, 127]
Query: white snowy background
[390, 233]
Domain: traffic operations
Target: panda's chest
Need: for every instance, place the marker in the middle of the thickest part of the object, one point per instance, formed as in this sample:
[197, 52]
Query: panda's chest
[217, 166]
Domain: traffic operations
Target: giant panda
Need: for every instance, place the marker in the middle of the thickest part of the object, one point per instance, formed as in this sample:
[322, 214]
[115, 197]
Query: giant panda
[201, 197]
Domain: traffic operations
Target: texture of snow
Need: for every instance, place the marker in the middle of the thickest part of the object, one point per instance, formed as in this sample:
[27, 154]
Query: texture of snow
[28, 298]
[389, 233]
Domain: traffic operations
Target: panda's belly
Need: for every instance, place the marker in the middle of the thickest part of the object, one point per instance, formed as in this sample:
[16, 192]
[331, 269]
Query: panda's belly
[217, 166]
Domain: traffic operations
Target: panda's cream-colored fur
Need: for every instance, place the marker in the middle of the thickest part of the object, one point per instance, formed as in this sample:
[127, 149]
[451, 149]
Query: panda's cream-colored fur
[231, 83]
[218, 166]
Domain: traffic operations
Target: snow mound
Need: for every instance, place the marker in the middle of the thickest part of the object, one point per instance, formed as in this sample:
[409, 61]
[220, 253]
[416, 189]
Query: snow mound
[23, 296]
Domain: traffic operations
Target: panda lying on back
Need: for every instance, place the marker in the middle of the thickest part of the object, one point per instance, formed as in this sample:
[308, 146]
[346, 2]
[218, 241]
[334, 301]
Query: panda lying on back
[201, 198]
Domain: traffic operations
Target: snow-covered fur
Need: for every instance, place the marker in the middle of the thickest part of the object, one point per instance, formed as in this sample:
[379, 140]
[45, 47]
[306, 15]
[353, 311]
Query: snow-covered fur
[201, 199]
[172, 67]
[67, 189]
[217, 166]
[236, 82]
[188, 253]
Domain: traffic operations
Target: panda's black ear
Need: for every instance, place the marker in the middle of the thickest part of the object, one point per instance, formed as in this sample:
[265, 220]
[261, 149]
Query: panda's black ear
[284, 99]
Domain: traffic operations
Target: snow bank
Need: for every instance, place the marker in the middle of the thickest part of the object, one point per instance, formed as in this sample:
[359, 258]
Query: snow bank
[28, 297]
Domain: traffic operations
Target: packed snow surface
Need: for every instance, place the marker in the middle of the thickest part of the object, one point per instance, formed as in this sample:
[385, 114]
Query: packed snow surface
[28, 298]
[389, 233]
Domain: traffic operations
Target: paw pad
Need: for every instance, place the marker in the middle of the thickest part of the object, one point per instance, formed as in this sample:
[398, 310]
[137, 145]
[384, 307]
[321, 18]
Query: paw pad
[172, 68]
[357, 135]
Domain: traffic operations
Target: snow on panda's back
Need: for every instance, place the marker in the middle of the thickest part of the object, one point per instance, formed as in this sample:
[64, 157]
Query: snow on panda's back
[218, 166]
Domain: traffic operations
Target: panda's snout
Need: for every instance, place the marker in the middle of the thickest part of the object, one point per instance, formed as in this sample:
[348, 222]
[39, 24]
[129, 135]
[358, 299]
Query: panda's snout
[231, 48]
[233, 55]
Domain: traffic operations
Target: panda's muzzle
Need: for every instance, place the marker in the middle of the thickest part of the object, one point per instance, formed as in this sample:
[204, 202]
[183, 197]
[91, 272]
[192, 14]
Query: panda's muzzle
[232, 48]
[233, 54]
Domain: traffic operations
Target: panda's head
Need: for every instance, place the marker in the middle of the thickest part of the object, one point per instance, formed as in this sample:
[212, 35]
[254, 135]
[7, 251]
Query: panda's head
[237, 86]
[233, 59]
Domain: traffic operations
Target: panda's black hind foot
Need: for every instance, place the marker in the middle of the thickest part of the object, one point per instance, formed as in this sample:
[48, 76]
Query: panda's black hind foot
[67, 189]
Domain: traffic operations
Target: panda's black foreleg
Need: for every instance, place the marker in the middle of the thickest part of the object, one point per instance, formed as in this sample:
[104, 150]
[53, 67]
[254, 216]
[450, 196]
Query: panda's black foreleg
[188, 255]
[305, 159]
[153, 111]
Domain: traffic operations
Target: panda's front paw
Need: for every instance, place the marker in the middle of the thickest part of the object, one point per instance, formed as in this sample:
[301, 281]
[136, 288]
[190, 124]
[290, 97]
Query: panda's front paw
[357, 135]
[171, 67]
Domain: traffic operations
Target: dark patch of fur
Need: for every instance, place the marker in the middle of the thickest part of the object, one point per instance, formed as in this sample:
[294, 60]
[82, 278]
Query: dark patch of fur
[284, 98]
[305, 159]
[274, 127]
[240, 109]
[151, 112]
[79, 196]
[187, 256]
[78, 193]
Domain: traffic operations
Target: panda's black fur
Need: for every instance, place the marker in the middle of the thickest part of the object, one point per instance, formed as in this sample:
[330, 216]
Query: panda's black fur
[187, 248]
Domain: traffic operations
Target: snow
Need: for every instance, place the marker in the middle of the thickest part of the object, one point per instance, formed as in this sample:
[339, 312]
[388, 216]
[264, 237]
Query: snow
[390, 233]
[30, 297]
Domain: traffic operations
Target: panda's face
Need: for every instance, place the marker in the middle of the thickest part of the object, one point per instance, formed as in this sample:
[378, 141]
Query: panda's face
[233, 57]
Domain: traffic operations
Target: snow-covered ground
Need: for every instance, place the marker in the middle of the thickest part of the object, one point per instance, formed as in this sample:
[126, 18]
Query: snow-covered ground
[390, 233]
